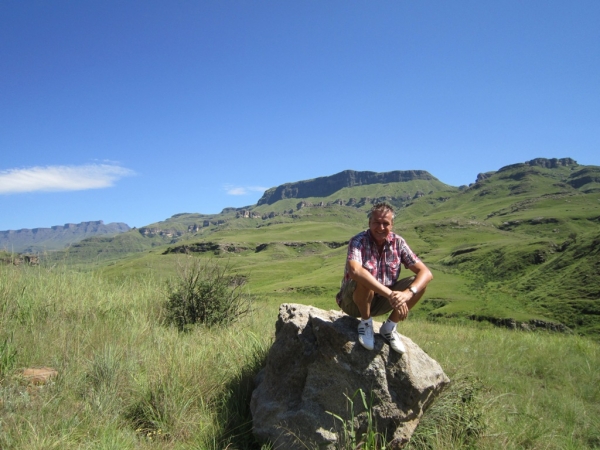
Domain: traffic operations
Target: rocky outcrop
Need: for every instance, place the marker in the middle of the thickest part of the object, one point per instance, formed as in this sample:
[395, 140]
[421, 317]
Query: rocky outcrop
[247, 214]
[530, 325]
[512, 224]
[18, 260]
[194, 228]
[548, 163]
[218, 248]
[484, 176]
[326, 186]
[153, 231]
[362, 202]
[56, 237]
[522, 170]
[585, 176]
[316, 361]
[206, 247]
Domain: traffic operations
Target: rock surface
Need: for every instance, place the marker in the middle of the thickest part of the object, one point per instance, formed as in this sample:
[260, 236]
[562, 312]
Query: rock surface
[315, 360]
[39, 375]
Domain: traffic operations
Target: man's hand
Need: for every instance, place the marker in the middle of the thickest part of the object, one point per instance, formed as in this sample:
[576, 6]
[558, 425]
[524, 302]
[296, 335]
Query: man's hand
[398, 301]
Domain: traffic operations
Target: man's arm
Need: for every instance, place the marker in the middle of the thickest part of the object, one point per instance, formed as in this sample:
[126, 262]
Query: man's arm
[402, 301]
[424, 275]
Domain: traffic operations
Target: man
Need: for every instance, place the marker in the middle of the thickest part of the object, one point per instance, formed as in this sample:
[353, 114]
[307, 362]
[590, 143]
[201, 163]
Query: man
[371, 287]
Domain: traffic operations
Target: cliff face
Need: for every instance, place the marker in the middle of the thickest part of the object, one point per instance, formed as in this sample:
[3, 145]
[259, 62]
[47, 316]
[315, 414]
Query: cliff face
[325, 186]
[56, 237]
[547, 163]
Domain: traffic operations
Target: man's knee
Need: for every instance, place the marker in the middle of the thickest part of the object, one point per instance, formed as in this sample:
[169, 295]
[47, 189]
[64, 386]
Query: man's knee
[403, 284]
[362, 294]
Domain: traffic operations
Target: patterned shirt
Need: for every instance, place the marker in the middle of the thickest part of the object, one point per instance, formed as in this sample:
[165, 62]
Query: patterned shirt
[385, 267]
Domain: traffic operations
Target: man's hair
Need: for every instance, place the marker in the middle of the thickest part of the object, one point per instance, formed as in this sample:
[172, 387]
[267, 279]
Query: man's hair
[382, 207]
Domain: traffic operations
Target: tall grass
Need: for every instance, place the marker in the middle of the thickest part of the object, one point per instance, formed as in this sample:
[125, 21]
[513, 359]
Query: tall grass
[519, 389]
[125, 379]
[349, 437]
[128, 381]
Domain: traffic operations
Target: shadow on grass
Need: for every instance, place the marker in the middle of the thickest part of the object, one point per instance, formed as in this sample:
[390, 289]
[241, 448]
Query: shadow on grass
[234, 411]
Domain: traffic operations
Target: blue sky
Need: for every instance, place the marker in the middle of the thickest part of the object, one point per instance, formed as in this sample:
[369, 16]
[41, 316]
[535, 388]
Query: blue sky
[132, 111]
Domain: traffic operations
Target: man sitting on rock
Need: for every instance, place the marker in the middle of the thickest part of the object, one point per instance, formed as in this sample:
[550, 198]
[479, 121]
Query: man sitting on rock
[371, 287]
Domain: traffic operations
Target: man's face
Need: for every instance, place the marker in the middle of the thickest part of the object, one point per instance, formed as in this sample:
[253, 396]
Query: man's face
[380, 224]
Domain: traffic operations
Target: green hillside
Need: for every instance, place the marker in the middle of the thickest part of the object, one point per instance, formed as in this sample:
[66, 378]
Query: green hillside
[519, 247]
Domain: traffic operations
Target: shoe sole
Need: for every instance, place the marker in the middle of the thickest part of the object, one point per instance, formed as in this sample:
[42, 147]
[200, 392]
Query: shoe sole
[401, 343]
[365, 346]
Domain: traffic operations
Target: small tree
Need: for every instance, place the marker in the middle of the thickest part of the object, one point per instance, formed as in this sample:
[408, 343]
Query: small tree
[206, 291]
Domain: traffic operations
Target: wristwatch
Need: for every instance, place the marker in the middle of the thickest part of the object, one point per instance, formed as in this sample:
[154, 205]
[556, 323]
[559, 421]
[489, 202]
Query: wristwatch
[413, 290]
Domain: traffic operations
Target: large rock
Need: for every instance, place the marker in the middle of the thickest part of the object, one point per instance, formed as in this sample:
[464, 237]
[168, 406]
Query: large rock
[315, 360]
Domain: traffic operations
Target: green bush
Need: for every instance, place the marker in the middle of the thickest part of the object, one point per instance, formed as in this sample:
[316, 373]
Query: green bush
[207, 292]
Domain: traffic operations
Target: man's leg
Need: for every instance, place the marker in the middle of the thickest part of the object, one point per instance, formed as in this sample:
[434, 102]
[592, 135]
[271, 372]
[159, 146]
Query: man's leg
[362, 298]
[388, 329]
[356, 302]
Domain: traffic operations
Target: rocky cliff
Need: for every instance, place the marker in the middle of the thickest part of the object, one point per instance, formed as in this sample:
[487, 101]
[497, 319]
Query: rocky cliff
[57, 237]
[325, 186]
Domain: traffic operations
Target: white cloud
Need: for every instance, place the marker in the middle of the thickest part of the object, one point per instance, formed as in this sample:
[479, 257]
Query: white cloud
[237, 191]
[245, 190]
[61, 178]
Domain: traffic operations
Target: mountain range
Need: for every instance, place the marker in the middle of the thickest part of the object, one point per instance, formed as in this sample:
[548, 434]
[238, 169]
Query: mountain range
[39, 240]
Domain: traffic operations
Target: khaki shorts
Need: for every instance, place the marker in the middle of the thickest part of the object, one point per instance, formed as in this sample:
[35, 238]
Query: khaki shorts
[380, 305]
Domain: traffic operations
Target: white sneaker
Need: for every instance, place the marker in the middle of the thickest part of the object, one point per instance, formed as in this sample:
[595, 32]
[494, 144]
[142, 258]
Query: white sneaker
[395, 341]
[366, 336]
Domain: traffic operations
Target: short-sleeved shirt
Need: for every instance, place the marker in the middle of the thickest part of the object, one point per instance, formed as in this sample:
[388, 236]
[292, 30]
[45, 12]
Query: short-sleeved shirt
[385, 267]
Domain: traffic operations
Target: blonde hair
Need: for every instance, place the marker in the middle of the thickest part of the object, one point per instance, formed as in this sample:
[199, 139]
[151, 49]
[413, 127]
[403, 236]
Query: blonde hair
[382, 207]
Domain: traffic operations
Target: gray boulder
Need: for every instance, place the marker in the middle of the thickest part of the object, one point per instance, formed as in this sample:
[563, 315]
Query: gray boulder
[316, 361]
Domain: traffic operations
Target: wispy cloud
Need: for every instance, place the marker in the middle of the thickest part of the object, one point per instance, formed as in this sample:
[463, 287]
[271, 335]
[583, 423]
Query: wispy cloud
[61, 178]
[243, 190]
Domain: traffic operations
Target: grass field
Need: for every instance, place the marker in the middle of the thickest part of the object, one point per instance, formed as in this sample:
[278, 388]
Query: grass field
[127, 381]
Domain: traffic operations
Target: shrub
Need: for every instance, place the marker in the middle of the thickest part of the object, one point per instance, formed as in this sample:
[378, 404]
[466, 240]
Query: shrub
[206, 291]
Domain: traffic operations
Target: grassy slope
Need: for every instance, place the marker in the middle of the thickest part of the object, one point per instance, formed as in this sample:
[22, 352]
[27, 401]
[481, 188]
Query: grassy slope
[521, 244]
[515, 239]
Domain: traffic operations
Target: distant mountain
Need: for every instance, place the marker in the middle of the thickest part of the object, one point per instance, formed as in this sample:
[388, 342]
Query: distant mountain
[57, 237]
[326, 186]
